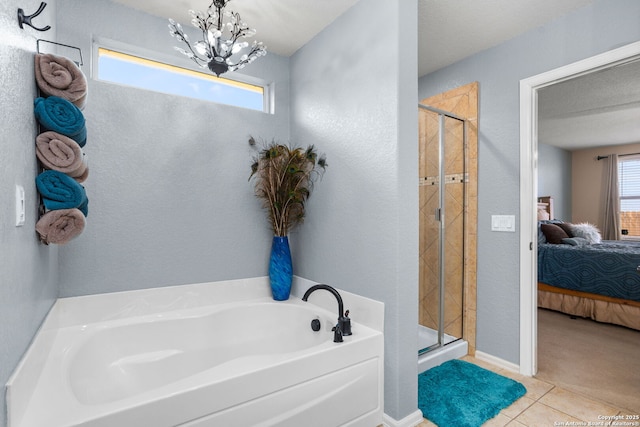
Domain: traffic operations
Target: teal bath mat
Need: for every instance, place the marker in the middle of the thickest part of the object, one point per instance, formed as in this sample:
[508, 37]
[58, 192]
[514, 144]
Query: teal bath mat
[462, 394]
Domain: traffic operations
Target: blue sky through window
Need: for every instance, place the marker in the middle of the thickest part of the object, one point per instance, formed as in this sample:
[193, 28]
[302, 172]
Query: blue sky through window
[141, 73]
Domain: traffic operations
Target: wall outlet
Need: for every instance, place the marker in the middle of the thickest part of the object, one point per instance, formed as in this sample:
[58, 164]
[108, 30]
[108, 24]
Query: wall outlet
[20, 208]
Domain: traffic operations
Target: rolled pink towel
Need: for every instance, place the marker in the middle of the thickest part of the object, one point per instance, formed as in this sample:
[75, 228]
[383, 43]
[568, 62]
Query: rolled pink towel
[60, 226]
[61, 77]
[61, 153]
[83, 177]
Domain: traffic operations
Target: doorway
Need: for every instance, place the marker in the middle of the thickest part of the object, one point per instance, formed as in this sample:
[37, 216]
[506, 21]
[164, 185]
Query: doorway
[528, 187]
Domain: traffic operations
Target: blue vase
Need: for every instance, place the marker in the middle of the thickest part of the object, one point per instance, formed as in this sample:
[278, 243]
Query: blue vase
[280, 268]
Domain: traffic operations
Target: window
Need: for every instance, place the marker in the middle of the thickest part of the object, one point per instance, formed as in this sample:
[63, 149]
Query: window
[130, 70]
[629, 184]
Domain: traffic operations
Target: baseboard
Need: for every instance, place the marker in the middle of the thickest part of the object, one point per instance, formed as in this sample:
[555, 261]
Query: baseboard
[410, 420]
[497, 361]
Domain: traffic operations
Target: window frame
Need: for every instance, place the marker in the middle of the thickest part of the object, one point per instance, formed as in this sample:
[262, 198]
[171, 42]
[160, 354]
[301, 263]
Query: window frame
[626, 158]
[170, 61]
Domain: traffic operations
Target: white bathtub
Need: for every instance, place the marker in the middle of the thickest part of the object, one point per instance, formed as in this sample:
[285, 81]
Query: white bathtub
[215, 354]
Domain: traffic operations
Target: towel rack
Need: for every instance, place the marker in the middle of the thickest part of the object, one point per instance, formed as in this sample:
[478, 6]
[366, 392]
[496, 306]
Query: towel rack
[78, 63]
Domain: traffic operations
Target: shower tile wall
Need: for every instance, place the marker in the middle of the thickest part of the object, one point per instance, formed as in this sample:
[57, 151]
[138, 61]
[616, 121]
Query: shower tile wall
[463, 102]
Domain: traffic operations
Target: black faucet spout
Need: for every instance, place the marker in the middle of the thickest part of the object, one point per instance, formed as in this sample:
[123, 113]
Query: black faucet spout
[326, 288]
[344, 323]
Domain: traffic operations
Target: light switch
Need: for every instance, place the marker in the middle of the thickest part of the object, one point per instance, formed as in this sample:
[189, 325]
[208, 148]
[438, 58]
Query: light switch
[503, 223]
[20, 208]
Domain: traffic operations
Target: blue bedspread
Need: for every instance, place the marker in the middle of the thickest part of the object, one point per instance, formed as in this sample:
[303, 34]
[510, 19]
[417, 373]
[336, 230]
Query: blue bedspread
[607, 268]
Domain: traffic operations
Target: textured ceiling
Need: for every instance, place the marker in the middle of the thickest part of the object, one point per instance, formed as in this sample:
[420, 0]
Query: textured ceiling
[597, 109]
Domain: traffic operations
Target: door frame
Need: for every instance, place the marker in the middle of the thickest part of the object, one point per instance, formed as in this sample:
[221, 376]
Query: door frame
[529, 186]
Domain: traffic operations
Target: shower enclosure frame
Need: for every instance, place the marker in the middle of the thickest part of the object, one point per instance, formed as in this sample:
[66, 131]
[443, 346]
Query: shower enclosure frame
[440, 215]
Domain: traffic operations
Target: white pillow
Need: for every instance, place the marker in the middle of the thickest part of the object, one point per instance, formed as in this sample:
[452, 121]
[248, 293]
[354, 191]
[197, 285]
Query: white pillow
[586, 231]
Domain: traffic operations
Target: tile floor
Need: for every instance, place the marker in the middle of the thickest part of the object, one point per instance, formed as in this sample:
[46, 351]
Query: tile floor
[546, 405]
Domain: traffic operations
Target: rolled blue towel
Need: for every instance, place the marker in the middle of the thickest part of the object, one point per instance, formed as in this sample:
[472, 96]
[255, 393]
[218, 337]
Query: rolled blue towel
[84, 207]
[60, 191]
[60, 115]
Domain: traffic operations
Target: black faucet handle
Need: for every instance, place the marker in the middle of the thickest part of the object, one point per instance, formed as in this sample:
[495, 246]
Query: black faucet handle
[345, 323]
[337, 333]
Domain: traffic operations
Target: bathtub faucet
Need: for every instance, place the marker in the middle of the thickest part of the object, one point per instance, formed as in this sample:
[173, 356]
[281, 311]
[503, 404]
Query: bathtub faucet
[344, 323]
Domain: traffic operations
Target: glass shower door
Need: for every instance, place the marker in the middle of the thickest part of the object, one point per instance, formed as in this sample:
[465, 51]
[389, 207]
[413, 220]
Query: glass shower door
[442, 213]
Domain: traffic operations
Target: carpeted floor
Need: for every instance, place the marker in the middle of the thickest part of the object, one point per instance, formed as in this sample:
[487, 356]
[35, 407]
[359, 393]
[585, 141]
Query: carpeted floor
[462, 394]
[590, 358]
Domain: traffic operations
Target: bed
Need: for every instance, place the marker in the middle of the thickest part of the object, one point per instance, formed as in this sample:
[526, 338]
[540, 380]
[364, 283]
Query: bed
[599, 280]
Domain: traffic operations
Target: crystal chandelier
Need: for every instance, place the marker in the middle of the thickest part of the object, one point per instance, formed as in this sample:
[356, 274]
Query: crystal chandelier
[220, 49]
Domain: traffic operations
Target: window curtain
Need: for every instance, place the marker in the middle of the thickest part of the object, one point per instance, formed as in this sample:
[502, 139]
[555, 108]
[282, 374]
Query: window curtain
[611, 224]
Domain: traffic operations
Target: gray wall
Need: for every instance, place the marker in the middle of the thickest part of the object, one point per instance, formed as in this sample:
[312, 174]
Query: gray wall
[169, 200]
[554, 178]
[602, 26]
[29, 278]
[356, 99]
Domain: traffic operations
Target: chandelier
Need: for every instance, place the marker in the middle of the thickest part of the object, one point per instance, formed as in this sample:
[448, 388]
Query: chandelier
[221, 48]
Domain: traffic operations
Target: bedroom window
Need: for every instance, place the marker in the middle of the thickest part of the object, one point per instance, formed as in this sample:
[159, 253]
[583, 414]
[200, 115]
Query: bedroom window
[629, 183]
[130, 70]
